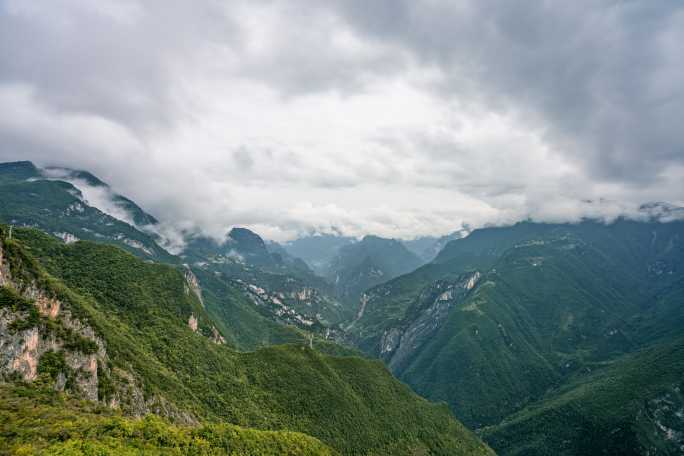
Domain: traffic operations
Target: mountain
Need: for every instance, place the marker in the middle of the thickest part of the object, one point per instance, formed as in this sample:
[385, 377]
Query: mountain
[40, 198]
[277, 283]
[240, 245]
[91, 321]
[243, 246]
[281, 255]
[428, 247]
[266, 290]
[367, 263]
[512, 326]
[549, 339]
[317, 250]
[633, 406]
[85, 180]
[33, 197]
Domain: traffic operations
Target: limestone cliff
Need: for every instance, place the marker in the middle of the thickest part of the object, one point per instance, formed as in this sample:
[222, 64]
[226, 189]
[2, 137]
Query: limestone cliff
[41, 340]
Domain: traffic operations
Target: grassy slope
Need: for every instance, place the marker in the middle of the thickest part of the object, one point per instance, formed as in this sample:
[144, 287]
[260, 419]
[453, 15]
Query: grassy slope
[38, 420]
[141, 310]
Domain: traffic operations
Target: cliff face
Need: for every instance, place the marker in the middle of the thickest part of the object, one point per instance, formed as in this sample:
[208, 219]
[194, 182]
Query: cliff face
[42, 341]
[193, 284]
[399, 344]
[39, 335]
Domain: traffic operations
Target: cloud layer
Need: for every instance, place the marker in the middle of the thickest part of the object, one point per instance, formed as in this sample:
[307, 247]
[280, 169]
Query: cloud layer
[394, 117]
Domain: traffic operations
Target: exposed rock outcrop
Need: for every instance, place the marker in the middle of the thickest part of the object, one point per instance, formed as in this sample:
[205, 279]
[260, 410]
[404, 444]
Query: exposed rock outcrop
[72, 356]
[398, 344]
[193, 323]
[216, 336]
[193, 284]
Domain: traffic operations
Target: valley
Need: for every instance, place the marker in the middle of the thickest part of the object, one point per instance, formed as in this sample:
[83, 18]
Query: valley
[542, 339]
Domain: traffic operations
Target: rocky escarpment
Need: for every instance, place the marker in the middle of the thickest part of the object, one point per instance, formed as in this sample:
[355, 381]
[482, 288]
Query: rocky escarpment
[431, 309]
[42, 341]
[39, 336]
[299, 306]
[193, 284]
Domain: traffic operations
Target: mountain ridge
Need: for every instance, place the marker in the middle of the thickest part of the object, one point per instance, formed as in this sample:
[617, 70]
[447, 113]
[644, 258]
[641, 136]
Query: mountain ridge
[158, 341]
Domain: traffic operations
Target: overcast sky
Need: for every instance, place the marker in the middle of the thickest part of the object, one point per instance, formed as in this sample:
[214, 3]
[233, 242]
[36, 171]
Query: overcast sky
[394, 117]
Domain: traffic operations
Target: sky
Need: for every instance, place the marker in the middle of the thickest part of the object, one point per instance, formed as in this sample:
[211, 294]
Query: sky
[400, 118]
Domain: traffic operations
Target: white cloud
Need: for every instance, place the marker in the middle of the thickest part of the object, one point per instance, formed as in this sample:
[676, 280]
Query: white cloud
[394, 118]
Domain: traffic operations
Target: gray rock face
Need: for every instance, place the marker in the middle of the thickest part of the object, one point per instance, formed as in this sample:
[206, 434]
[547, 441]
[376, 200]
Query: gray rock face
[398, 344]
[662, 421]
[193, 284]
[21, 351]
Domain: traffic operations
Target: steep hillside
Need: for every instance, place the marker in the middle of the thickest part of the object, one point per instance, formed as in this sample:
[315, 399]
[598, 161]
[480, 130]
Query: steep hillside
[126, 208]
[259, 295]
[37, 420]
[318, 250]
[634, 406]
[506, 315]
[31, 197]
[367, 263]
[244, 324]
[138, 339]
[279, 286]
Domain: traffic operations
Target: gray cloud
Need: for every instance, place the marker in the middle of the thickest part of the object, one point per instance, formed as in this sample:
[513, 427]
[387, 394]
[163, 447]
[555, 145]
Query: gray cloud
[604, 77]
[115, 59]
[395, 117]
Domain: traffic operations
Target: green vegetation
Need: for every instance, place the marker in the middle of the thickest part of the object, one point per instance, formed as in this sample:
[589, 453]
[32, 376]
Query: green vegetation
[553, 304]
[141, 311]
[247, 326]
[27, 198]
[245, 257]
[238, 319]
[57, 207]
[37, 420]
[633, 406]
[30, 318]
[367, 263]
[11, 300]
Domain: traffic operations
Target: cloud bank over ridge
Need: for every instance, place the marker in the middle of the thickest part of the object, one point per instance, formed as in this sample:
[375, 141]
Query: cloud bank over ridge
[399, 118]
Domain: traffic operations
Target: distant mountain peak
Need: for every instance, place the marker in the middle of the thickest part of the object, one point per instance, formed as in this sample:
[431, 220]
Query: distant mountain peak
[58, 172]
[19, 170]
[661, 211]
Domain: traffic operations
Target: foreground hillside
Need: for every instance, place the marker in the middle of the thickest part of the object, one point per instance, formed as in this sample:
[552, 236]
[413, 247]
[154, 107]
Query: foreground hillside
[36, 419]
[96, 322]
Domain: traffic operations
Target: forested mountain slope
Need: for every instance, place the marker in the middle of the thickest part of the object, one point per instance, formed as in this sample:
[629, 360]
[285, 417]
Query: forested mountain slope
[30, 198]
[257, 297]
[506, 316]
[369, 262]
[96, 322]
